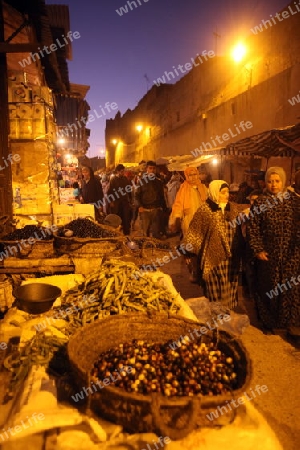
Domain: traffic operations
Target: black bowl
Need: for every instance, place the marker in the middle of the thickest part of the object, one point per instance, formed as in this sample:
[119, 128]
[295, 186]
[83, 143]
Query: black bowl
[36, 298]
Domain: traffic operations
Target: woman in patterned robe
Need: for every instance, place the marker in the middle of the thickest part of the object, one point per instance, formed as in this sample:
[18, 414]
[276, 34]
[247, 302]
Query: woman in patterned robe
[216, 239]
[271, 230]
[294, 328]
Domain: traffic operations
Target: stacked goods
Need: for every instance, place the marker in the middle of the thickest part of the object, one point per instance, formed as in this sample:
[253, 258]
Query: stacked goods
[116, 289]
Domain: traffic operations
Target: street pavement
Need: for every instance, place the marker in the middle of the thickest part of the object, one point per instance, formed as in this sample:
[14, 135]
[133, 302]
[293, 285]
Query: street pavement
[276, 362]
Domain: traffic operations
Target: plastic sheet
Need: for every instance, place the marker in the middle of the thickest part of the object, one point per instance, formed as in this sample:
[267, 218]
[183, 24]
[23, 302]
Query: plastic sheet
[212, 312]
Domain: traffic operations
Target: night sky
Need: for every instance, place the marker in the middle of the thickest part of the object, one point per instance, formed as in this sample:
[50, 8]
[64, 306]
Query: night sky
[114, 53]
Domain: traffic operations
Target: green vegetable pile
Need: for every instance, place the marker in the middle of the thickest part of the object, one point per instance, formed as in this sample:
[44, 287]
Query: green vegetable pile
[43, 350]
[115, 289]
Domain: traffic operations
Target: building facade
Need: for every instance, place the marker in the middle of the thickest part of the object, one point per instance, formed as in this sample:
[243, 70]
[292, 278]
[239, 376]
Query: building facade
[218, 102]
[41, 105]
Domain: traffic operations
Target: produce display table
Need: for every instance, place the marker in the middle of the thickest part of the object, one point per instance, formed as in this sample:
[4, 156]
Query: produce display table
[67, 427]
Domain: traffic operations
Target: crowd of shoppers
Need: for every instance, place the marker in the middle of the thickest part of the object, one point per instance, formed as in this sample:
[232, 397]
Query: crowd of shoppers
[262, 239]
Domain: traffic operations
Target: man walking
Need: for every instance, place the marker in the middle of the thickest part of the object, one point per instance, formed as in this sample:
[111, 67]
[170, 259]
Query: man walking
[150, 200]
[119, 191]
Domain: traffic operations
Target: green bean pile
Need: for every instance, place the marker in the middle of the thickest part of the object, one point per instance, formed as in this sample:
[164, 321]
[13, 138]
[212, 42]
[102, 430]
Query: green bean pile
[114, 289]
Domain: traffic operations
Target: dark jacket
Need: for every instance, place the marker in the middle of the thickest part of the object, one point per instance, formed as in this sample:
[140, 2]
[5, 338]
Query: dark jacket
[92, 191]
[117, 187]
[150, 193]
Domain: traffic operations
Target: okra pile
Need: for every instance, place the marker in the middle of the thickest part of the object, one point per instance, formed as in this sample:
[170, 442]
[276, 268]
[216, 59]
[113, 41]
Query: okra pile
[193, 368]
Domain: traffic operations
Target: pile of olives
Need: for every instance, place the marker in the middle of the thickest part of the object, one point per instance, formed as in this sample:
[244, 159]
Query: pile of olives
[29, 231]
[84, 228]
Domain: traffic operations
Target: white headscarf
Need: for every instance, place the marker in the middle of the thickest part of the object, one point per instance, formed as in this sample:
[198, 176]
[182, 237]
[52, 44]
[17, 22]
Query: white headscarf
[214, 189]
[279, 171]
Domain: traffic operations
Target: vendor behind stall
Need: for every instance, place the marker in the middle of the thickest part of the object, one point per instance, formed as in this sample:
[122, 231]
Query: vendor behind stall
[91, 190]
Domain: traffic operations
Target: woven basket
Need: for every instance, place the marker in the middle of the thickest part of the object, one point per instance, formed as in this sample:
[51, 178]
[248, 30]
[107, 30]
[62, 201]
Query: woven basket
[39, 249]
[89, 245]
[174, 417]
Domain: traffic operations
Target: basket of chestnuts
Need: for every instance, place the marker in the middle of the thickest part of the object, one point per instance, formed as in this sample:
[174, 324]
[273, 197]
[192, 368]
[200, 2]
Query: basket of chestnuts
[158, 373]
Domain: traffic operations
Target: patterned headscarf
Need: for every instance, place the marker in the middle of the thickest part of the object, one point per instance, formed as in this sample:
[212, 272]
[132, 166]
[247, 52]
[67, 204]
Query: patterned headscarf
[279, 171]
[191, 170]
[214, 189]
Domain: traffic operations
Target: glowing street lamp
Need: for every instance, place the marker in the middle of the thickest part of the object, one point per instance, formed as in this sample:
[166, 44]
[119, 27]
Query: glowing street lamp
[114, 141]
[139, 128]
[239, 52]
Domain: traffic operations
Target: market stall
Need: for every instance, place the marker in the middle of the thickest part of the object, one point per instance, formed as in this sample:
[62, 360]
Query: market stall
[53, 396]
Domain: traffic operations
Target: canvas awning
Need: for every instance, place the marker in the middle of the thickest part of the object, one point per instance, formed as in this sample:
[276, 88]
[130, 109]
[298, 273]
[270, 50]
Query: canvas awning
[182, 162]
[276, 142]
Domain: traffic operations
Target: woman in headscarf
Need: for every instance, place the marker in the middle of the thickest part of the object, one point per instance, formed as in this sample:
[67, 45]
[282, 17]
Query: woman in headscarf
[192, 193]
[217, 242]
[271, 230]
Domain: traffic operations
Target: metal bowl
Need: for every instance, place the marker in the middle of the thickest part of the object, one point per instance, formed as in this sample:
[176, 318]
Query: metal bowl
[36, 298]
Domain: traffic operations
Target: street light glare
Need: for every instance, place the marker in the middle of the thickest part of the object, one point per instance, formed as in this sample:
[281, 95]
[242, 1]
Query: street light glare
[239, 52]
